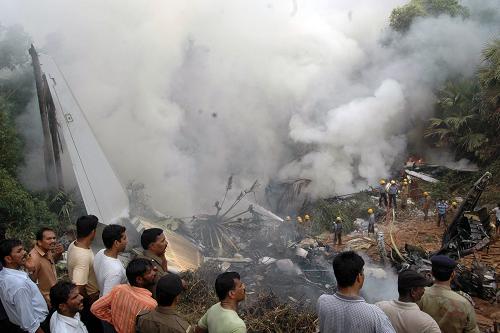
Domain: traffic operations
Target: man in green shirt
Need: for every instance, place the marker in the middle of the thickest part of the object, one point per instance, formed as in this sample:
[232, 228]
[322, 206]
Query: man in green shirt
[453, 312]
[222, 317]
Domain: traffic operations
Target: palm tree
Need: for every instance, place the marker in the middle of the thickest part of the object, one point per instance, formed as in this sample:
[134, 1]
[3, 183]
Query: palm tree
[457, 127]
[489, 73]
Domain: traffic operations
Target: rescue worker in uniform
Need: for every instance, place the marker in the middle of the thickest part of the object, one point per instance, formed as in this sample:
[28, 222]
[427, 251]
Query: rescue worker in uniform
[453, 312]
[307, 223]
[371, 222]
[393, 191]
[337, 236]
[451, 212]
[382, 194]
[404, 194]
[426, 205]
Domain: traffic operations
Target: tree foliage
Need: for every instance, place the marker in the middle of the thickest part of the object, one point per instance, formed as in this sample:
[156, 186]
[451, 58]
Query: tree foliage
[21, 212]
[402, 17]
[467, 115]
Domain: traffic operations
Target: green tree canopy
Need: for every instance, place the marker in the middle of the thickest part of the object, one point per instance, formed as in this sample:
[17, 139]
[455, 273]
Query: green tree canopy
[402, 17]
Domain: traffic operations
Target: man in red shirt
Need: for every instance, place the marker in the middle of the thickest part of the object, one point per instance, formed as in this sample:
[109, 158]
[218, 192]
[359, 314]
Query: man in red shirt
[122, 304]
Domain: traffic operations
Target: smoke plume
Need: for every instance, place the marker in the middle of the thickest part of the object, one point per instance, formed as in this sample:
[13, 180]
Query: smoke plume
[181, 94]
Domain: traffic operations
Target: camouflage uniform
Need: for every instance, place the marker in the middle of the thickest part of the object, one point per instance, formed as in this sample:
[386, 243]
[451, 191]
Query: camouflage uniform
[452, 312]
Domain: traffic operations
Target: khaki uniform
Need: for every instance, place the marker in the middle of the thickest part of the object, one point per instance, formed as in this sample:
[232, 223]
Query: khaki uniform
[156, 262]
[452, 312]
[44, 273]
[162, 320]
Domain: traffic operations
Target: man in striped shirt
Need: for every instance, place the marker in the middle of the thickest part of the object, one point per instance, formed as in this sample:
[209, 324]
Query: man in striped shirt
[346, 311]
[121, 306]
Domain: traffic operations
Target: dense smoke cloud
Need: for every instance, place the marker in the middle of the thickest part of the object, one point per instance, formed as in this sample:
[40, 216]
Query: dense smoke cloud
[181, 94]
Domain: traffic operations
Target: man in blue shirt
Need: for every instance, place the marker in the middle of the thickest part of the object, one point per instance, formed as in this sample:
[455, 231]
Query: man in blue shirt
[441, 208]
[21, 298]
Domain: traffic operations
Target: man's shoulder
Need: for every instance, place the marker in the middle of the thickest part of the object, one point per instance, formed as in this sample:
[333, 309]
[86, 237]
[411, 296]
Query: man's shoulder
[386, 304]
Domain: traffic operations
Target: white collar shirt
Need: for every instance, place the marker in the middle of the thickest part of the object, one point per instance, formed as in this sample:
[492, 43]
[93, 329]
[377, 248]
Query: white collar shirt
[65, 324]
[22, 300]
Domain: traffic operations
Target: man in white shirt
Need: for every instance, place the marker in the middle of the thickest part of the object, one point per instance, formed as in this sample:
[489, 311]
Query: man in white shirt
[67, 301]
[404, 313]
[21, 298]
[108, 268]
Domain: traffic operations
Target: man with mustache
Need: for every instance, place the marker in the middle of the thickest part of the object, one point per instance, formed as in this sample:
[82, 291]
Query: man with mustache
[42, 261]
[155, 243]
[67, 301]
[21, 298]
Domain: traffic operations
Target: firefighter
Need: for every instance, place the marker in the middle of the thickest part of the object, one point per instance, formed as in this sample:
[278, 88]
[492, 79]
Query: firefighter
[426, 205]
[404, 194]
[393, 191]
[307, 223]
[300, 226]
[382, 194]
[371, 222]
[337, 230]
[452, 210]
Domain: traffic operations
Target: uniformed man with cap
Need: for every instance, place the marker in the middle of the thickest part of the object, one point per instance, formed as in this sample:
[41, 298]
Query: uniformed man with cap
[452, 312]
[165, 318]
[404, 313]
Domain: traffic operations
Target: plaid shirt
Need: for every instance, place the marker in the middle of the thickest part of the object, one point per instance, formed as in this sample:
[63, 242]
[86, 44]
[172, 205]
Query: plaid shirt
[342, 314]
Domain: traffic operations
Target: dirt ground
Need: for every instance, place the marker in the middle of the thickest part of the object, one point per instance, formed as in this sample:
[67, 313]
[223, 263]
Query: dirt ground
[412, 229]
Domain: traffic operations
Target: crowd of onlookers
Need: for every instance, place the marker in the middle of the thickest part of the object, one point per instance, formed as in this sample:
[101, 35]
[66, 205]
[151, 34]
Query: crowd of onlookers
[101, 295]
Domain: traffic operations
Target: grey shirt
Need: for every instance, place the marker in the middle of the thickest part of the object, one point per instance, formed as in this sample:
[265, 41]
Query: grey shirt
[340, 313]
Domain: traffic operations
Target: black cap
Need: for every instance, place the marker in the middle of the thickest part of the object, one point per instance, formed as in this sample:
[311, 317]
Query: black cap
[443, 263]
[411, 279]
[170, 284]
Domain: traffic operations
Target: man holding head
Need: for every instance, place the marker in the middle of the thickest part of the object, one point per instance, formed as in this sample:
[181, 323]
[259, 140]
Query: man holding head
[452, 312]
[42, 259]
[165, 317]
[346, 310]
[222, 317]
[108, 268]
[121, 305]
[67, 301]
[21, 298]
[404, 313]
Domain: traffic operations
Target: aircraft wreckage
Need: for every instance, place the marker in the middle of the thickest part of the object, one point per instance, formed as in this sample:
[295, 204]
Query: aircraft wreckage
[230, 233]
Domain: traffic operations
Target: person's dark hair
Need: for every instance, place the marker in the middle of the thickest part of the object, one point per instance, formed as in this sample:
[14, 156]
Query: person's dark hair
[346, 267]
[136, 268]
[6, 247]
[39, 233]
[225, 283]
[168, 288]
[442, 275]
[149, 236]
[404, 292]
[59, 293]
[85, 225]
[112, 233]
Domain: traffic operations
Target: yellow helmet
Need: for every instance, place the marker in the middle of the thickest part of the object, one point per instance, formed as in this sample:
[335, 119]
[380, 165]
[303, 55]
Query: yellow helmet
[393, 182]
[426, 194]
[454, 204]
[299, 219]
[405, 182]
[338, 218]
[370, 211]
[306, 217]
[382, 182]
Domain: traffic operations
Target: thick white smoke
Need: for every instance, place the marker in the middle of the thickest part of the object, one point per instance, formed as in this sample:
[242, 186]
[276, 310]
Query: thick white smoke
[183, 93]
